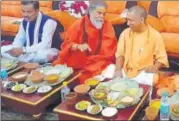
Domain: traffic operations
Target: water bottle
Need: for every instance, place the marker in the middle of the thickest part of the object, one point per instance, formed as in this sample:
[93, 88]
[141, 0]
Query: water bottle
[164, 107]
[64, 91]
[4, 75]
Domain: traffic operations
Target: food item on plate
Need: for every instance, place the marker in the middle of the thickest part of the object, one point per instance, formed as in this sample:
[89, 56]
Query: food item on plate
[31, 66]
[34, 72]
[112, 103]
[99, 94]
[127, 100]
[81, 89]
[20, 77]
[44, 89]
[36, 77]
[166, 79]
[118, 86]
[70, 95]
[53, 71]
[155, 103]
[91, 82]
[31, 89]
[94, 109]
[66, 73]
[52, 78]
[109, 112]
[132, 91]
[82, 105]
[151, 113]
[7, 65]
[71, 98]
[18, 87]
[102, 86]
[175, 110]
[9, 85]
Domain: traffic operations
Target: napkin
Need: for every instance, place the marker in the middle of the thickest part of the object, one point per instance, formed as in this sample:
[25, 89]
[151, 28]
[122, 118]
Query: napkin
[109, 71]
[142, 78]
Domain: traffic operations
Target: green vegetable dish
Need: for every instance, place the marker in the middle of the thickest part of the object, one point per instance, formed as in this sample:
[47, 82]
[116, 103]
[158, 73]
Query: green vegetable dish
[83, 105]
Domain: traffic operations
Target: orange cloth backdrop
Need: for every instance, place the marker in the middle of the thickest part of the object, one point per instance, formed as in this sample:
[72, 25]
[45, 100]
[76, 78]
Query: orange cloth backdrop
[115, 8]
[11, 12]
[168, 13]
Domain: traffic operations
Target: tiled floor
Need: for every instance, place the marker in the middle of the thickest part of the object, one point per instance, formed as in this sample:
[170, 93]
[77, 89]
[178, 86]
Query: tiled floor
[9, 114]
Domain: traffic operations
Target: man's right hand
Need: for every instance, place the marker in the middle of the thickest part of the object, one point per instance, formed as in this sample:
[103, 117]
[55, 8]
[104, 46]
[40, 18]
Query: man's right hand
[118, 73]
[15, 52]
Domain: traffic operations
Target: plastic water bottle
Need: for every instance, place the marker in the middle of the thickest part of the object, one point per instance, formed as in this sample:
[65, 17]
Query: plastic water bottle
[164, 107]
[4, 75]
[64, 91]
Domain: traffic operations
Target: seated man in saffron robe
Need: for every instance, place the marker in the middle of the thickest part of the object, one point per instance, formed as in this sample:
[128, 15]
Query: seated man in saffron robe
[90, 43]
[38, 37]
[140, 51]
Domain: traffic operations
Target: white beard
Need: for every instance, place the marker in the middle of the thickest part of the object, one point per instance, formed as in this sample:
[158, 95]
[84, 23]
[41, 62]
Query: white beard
[97, 23]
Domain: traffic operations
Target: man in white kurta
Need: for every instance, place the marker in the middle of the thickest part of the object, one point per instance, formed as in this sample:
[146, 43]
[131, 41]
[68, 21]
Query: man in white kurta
[37, 32]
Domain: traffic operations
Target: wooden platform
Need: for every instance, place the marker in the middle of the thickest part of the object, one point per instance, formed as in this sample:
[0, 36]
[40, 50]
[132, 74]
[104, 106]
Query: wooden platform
[70, 113]
[33, 103]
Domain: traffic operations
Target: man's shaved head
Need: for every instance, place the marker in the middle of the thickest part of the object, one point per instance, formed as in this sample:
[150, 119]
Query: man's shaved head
[138, 11]
[136, 17]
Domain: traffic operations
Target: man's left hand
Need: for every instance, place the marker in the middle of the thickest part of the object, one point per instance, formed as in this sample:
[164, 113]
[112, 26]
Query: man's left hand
[155, 68]
[16, 52]
[151, 69]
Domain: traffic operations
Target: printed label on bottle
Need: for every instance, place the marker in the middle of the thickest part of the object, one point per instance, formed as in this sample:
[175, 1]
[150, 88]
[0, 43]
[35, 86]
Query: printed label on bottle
[165, 109]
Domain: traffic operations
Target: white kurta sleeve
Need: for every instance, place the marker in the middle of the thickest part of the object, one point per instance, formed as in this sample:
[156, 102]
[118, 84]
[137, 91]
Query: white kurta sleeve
[20, 38]
[47, 35]
[18, 42]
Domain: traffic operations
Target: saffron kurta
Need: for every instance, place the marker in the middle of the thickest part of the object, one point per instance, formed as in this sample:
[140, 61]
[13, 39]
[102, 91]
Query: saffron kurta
[102, 43]
[141, 50]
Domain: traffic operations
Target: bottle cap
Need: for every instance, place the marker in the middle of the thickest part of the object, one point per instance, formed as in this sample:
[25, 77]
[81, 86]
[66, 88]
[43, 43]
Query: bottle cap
[3, 74]
[165, 94]
[65, 83]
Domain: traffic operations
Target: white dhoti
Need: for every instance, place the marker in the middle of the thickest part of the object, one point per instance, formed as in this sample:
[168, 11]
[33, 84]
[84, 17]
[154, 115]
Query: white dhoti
[142, 78]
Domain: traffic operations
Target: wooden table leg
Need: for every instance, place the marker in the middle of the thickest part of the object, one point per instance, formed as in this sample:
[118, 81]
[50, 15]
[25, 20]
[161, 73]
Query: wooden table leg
[37, 116]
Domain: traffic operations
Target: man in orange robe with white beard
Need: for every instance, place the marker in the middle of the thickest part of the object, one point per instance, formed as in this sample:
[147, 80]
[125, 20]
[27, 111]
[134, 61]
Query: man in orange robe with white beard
[90, 43]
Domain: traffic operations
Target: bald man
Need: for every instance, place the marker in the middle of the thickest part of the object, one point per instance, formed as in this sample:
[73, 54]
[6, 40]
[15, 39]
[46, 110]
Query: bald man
[90, 44]
[140, 51]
